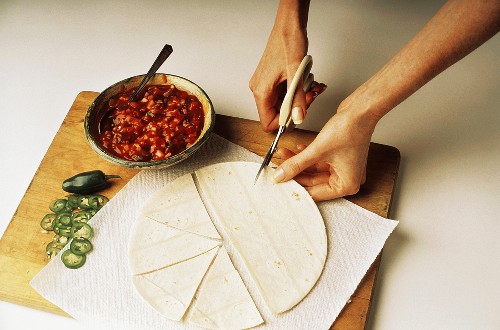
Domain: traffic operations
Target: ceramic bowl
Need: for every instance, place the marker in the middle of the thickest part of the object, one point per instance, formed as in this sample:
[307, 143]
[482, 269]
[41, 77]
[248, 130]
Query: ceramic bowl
[97, 110]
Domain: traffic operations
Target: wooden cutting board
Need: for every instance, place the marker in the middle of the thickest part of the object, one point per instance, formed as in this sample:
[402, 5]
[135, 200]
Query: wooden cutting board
[22, 247]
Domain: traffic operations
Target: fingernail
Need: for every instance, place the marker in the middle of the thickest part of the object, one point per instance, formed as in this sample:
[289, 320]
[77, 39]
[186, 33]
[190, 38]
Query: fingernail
[297, 116]
[279, 175]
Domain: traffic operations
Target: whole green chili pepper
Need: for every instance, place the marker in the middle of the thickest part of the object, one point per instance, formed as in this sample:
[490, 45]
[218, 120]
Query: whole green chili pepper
[87, 182]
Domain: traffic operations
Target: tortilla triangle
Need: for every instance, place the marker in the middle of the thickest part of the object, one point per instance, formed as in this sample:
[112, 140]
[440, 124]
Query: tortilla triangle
[154, 246]
[178, 205]
[222, 300]
[170, 290]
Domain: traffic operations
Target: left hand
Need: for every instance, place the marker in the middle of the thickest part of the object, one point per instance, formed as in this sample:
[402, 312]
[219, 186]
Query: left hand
[334, 164]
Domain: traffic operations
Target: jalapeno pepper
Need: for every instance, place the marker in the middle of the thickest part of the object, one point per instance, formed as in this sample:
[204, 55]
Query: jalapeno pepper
[80, 246]
[47, 222]
[64, 218]
[63, 231]
[60, 239]
[58, 205]
[70, 216]
[84, 202]
[87, 182]
[72, 260]
[73, 200]
[97, 201]
[81, 216]
[81, 230]
[52, 250]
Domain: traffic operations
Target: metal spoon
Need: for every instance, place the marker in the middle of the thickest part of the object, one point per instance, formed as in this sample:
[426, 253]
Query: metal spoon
[164, 54]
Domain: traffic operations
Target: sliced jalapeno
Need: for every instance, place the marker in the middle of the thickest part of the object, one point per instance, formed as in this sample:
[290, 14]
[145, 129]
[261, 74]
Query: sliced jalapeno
[64, 231]
[72, 260]
[47, 222]
[60, 239]
[81, 230]
[97, 201]
[83, 202]
[58, 205]
[81, 216]
[73, 200]
[52, 252]
[53, 248]
[80, 246]
[64, 218]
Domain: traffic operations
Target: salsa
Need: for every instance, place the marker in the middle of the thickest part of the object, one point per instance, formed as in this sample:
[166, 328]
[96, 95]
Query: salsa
[164, 122]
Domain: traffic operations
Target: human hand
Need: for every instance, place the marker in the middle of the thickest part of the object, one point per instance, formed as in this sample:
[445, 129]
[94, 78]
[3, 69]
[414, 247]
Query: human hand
[334, 164]
[285, 49]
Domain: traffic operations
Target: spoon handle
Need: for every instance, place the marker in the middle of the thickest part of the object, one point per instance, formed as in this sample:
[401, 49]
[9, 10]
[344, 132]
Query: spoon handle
[164, 54]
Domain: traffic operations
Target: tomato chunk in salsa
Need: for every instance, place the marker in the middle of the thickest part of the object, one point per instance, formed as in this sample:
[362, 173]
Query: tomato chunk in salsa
[164, 122]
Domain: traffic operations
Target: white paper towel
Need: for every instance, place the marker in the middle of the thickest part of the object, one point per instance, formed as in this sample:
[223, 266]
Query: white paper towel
[101, 293]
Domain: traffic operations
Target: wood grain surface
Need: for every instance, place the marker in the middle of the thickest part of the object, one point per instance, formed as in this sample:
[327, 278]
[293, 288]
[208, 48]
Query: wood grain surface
[22, 247]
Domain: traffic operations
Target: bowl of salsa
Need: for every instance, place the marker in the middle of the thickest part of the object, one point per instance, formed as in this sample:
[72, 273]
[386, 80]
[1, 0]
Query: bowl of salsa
[165, 124]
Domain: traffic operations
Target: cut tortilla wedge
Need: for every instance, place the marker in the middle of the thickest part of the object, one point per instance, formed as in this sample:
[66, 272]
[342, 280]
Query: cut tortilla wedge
[171, 290]
[178, 205]
[223, 301]
[155, 246]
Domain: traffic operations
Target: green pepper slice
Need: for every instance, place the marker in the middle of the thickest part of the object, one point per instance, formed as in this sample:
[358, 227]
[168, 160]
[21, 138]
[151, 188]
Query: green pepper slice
[72, 260]
[81, 216]
[64, 219]
[97, 201]
[80, 246]
[59, 239]
[58, 205]
[52, 252]
[48, 222]
[53, 248]
[83, 202]
[73, 200]
[64, 231]
[81, 230]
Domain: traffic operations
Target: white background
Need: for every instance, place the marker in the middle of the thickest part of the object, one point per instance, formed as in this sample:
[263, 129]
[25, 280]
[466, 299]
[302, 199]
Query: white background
[441, 266]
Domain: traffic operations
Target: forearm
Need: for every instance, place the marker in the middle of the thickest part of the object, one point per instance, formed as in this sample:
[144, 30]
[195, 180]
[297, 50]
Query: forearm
[292, 13]
[291, 23]
[455, 31]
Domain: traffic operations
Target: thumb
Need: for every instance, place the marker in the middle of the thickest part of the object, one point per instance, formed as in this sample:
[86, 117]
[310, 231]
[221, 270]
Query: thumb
[294, 165]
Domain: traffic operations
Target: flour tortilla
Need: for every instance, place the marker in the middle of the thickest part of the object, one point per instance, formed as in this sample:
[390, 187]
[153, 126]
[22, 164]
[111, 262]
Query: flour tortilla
[223, 300]
[276, 228]
[170, 290]
[155, 245]
[178, 205]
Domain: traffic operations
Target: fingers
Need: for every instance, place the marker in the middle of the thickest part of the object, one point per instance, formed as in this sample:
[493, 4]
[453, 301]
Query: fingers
[323, 192]
[267, 100]
[327, 186]
[295, 164]
[322, 180]
[315, 90]
[299, 108]
[318, 167]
